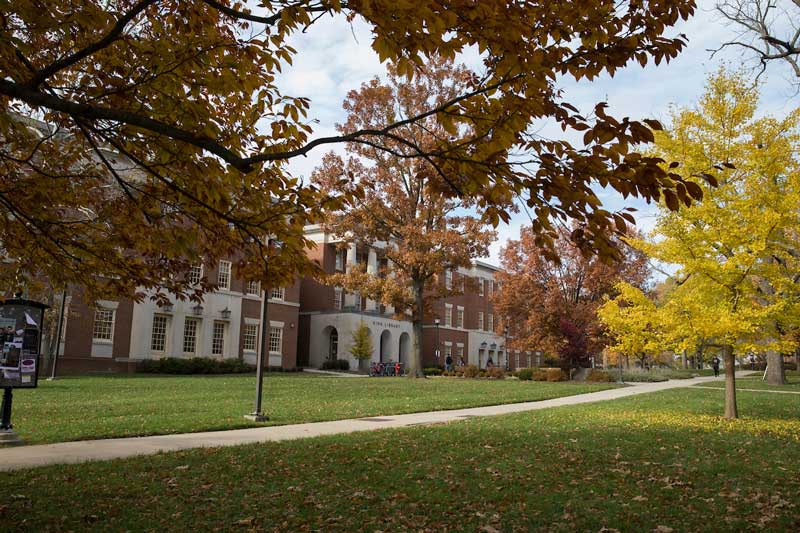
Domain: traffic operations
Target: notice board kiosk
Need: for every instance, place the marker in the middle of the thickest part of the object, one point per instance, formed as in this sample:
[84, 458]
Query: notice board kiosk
[20, 344]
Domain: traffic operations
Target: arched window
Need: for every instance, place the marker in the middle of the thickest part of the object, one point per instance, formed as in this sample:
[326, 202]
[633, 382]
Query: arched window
[333, 344]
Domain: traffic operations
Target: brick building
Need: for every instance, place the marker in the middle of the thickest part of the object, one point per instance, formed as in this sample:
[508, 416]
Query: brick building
[309, 322]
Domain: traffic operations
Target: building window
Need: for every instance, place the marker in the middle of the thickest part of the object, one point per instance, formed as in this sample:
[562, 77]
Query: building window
[224, 276]
[480, 287]
[158, 340]
[338, 297]
[277, 293]
[480, 318]
[448, 279]
[218, 338]
[490, 324]
[195, 274]
[275, 338]
[516, 360]
[461, 281]
[250, 337]
[190, 336]
[448, 351]
[448, 315]
[459, 353]
[357, 300]
[491, 287]
[254, 287]
[103, 325]
[340, 257]
[460, 317]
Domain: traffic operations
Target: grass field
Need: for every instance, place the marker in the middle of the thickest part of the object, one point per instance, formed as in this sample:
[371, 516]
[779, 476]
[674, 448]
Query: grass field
[755, 382]
[657, 462]
[101, 407]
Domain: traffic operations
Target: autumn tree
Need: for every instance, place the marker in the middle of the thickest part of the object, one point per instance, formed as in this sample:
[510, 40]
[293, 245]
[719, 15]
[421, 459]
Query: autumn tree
[736, 253]
[422, 232]
[553, 304]
[633, 322]
[362, 344]
[164, 138]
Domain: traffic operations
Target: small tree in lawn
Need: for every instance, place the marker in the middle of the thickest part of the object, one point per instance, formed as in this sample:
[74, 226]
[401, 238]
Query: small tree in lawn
[404, 201]
[362, 345]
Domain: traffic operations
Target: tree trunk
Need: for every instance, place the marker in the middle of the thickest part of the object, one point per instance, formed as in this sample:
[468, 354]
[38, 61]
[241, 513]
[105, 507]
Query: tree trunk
[415, 366]
[683, 360]
[698, 357]
[797, 359]
[731, 411]
[775, 373]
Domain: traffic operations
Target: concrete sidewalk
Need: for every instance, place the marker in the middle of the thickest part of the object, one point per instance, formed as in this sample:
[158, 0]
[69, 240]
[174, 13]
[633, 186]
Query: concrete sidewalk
[105, 449]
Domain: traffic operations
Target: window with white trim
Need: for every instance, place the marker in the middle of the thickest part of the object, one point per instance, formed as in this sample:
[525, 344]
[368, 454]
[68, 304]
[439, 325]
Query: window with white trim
[190, 327]
[448, 351]
[103, 329]
[277, 293]
[459, 317]
[275, 339]
[448, 279]
[250, 337]
[481, 291]
[491, 287]
[490, 322]
[357, 300]
[196, 274]
[224, 276]
[254, 287]
[158, 337]
[459, 353]
[338, 297]
[480, 319]
[448, 314]
[340, 257]
[218, 338]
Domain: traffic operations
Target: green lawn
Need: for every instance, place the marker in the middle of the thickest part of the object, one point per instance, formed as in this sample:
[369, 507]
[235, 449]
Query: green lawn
[116, 406]
[657, 462]
[755, 382]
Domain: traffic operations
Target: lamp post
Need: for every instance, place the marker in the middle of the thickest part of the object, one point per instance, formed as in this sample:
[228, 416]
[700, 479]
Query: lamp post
[505, 333]
[437, 352]
[257, 415]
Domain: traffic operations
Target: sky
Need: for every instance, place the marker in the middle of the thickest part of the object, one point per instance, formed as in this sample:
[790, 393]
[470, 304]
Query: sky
[335, 57]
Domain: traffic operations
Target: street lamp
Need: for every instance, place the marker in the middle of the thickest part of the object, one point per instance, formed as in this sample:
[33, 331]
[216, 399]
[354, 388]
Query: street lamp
[257, 415]
[437, 352]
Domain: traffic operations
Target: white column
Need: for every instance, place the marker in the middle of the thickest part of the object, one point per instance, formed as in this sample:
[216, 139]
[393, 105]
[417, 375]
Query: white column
[390, 269]
[350, 298]
[372, 270]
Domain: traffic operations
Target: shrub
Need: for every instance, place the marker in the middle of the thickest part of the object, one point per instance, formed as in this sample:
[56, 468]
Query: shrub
[195, 365]
[471, 371]
[525, 374]
[640, 376]
[336, 364]
[496, 372]
[432, 371]
[540, 374]
[555, 374]
[599, 376]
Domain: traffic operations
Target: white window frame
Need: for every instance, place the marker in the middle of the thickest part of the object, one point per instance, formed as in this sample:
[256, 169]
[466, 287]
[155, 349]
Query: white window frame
[341, 259]
[253, 288]
[273, 329]
[490, 322]
[460, 317]
[110, 338]
[481, 289]
[224, 274]
[158, 318]
[214, 338]
[448, 279]
[338, 298]
[491, 287]
[197, 329]
[480, 319]
[448, 315]
[277, 293]
[448, 350]
[250, 334]
[199, 270]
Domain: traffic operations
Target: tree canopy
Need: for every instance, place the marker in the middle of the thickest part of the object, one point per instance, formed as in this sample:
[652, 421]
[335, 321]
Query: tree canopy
[167, 136]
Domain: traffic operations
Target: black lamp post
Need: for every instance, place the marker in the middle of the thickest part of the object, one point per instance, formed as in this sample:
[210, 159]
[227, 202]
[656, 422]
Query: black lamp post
[437, 352]
[257, 415]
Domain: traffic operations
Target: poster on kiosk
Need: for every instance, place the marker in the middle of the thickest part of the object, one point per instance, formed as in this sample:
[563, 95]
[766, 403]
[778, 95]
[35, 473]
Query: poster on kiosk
[20, 342]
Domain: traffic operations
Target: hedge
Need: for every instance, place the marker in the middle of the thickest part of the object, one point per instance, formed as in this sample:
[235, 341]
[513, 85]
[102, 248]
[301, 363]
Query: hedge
[195, 365]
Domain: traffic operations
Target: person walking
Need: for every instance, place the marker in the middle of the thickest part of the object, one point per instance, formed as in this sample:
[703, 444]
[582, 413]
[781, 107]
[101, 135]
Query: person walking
[448, 363]
[715, 366]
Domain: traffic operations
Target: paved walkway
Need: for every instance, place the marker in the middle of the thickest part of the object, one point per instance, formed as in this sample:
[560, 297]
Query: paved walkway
[753, 390]
[333, 373]
[98, 450]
